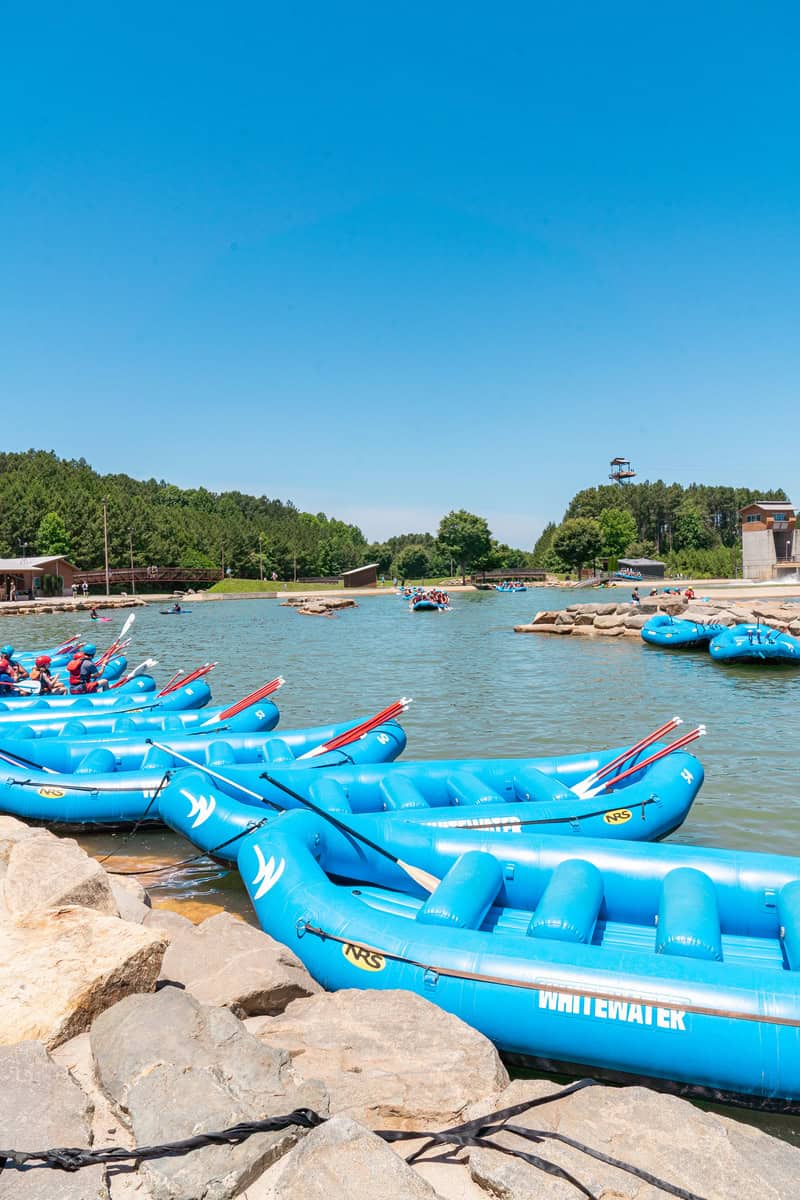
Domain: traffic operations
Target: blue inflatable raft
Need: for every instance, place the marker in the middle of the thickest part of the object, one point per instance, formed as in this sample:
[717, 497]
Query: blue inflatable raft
[672, 963]
[42, 713]
[677, 633]
[755, 643]
[116, 781]
[509, 796]
[134, 691]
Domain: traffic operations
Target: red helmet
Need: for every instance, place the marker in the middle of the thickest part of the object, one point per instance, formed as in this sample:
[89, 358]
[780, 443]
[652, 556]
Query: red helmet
[43, 660]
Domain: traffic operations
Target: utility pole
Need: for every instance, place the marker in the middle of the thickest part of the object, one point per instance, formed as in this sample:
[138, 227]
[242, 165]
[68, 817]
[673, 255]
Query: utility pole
[133, 577]
[260, 557]
[105, 544]
[294, 557]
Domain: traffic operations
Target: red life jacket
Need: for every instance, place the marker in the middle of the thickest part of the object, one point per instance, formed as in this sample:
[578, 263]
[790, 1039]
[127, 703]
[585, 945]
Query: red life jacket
[74, 669]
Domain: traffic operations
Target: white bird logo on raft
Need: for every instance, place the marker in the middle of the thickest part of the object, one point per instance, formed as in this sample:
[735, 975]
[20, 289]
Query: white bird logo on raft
[267, 874]
[201, 809]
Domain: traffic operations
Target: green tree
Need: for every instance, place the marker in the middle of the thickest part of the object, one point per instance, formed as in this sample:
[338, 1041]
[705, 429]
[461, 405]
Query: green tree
[52, 537]
[578, 541]
[412, 562]
[619, 531]
[466, 537]
[690, 531]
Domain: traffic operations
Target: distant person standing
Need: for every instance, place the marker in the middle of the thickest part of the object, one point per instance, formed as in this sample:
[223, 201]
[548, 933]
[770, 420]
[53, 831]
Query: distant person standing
[74, 591]
[85, 589]
[635, 596]
[12, 590]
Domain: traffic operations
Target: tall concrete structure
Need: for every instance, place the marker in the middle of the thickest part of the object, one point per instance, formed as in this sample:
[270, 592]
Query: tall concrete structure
[770, 540]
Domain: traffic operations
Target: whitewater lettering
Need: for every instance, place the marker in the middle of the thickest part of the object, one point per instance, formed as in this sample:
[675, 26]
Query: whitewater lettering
[629, 1012]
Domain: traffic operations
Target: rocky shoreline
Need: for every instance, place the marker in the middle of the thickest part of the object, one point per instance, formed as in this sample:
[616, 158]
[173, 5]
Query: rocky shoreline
[318, 606]
[66, 604]
[122, 1024]
[627, 619]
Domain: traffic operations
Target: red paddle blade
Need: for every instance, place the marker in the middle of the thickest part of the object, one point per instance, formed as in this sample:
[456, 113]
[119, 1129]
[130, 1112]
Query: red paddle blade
[260, 694]
[358, 731]
[190, 678]
[678, 744]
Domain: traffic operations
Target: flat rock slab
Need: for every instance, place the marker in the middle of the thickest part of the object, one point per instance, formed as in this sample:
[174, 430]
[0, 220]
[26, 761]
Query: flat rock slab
[41, 1106]
[46, 872]
[60, 968]
[225, 962]
[703, 1153]
[388, 1058]
[342, 1160]
[173, 1067]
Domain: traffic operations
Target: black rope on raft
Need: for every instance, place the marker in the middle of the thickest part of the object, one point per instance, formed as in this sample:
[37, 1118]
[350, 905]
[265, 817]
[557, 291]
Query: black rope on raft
[478, 1132]
[185, 862]
[165, 778]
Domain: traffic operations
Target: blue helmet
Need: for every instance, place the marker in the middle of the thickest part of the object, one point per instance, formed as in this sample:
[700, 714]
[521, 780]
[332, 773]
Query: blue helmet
[7, 651]
[90, 649]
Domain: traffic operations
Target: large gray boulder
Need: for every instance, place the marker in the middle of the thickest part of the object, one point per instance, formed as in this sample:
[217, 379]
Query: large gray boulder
[46, 872]
[130, 897]
[226, 962]
[387, 1058]
[173, 1067]
[706, 1154]
[41, 1106]
[61, 967]
[342, 1160]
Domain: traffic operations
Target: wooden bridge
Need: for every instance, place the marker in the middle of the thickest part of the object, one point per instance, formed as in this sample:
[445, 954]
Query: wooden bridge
[149, 576]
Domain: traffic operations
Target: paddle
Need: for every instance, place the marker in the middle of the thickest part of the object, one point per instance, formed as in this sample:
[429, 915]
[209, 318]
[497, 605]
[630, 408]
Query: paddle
[147, 665]
[359, 731]
[424, 879]
[18, 761]
[187, 679]
[260, 694]
[588, 786]
[678, 744]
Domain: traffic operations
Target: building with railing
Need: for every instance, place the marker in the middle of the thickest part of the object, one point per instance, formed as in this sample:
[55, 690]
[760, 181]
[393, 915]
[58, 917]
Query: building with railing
[770, 540]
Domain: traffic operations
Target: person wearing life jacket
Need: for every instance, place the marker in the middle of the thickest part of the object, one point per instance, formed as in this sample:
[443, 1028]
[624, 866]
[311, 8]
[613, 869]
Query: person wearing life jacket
[84, 675]
[40, 674]
[17, 670]
[7, 678]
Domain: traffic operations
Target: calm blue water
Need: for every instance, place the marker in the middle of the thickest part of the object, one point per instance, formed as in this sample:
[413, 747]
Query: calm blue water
[478, 689]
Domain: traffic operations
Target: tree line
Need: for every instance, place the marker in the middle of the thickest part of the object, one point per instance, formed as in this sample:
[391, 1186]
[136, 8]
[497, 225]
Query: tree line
[694, 529]
[50, 505]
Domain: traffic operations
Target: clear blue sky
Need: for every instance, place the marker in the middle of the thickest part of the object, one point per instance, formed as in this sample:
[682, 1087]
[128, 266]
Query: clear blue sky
[389, 260]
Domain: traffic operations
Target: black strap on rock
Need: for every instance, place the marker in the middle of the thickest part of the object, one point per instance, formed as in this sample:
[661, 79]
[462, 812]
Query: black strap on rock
[165, 778]
[478, 1132]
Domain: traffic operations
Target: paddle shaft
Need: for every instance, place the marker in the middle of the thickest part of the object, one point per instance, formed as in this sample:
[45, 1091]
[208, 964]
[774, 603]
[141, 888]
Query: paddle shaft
[309, 804]
[676, 745]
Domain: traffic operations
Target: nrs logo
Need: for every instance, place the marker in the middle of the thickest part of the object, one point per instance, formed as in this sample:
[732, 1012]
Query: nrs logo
[617, 816]
[363, 958]
[267, 874]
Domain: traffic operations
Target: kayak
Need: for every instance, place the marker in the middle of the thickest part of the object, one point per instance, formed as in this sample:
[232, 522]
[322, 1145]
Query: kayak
[755, 643]
[507, 796]
[664, 962]
[678, 633]
[168, 612]
[118, 782]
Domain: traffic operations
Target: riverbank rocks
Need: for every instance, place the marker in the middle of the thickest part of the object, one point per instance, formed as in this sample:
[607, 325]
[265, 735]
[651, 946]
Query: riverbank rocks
[173, 1067]
[387, 1058]
[131, 899]
[318, 606]
[41, 1106]
[705, 1154]
[223, 961]
[49, 872]
[339, 1161]
[60, 967]
[615, 620]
